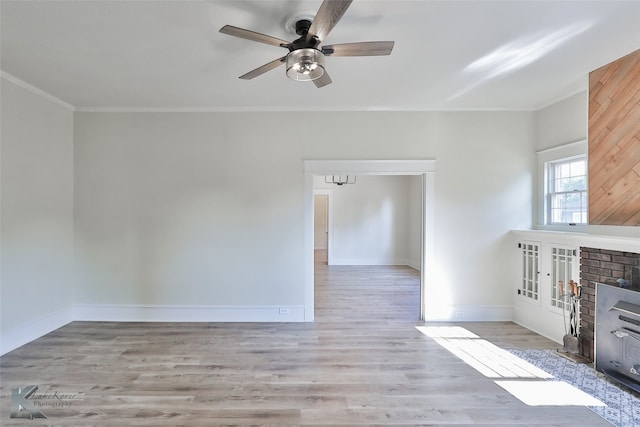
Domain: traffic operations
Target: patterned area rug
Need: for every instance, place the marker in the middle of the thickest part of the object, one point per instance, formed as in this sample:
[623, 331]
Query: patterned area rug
[623, 407]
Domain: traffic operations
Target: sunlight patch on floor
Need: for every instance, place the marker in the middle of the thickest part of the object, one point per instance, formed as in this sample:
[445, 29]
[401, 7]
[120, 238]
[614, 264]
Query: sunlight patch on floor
[485, 357]
[446, 332]
[495, 362]
[548, 393]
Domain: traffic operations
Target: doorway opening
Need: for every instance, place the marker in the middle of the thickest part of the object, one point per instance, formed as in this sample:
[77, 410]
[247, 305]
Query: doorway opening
[423, 168]
[321, 220]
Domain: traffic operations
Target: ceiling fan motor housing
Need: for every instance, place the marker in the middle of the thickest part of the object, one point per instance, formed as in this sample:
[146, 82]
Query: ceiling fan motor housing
[302, 27]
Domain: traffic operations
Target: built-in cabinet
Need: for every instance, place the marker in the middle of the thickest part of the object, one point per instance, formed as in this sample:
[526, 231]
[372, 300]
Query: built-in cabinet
[546, 262]
[543, 295]
[564, 270]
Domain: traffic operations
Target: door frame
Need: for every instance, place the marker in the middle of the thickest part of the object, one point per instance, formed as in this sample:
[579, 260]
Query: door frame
[425, 168]
[329, 194]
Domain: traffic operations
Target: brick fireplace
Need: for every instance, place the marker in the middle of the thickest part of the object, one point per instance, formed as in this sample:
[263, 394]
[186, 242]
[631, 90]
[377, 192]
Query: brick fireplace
[602, 266]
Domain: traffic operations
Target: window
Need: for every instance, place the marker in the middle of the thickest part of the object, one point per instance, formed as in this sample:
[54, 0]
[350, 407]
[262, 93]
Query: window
[566, 196]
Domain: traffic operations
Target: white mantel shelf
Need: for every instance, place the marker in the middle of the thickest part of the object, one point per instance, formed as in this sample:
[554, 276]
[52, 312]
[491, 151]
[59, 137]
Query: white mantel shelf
[599, 241]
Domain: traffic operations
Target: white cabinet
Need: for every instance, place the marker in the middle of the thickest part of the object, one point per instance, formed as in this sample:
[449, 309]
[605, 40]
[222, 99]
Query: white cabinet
[542, 302]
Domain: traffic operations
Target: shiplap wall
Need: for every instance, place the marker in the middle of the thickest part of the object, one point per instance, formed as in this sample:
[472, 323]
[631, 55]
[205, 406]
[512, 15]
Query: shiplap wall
[614, 143]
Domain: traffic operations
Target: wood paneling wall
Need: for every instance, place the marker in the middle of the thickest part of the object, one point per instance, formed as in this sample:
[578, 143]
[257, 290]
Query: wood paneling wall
[614, 142]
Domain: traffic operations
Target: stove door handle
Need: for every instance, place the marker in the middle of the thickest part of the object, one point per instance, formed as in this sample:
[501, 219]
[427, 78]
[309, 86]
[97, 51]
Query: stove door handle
[627, 307]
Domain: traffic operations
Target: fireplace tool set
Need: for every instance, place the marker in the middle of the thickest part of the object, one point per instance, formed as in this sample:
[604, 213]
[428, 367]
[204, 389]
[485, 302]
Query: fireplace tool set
[570, 339]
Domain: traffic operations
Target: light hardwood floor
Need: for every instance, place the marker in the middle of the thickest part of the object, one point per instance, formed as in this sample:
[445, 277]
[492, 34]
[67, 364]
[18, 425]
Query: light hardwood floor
[362, 362]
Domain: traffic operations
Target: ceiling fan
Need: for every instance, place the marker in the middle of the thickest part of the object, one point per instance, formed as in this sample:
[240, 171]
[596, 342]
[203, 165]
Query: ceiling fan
[305, 60]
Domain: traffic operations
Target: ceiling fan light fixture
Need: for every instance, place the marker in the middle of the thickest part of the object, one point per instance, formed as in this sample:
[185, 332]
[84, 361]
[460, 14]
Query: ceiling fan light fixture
[305, 64]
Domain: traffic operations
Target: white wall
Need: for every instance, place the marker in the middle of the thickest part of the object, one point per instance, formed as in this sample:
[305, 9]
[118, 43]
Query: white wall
[562, 122]
[373, 221]
[187, 210]
[206, 209]
[484, 184]
[36, 285]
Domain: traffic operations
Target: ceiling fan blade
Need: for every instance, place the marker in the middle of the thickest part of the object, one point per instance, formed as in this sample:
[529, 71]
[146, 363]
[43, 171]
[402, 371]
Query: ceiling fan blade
[327, 17]
[322, 81]
[253, 36]
[263, 69]
[359, 49]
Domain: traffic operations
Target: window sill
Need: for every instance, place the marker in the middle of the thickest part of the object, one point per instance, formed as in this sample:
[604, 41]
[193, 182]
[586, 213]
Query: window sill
[578, 228]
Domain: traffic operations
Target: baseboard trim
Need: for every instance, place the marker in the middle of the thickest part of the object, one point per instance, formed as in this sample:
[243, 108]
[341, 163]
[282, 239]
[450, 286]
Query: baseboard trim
[538, 331]
[414, 265]
[34, 329]
[366, 261]
[478, 313]
[169, 313]
[39, 327]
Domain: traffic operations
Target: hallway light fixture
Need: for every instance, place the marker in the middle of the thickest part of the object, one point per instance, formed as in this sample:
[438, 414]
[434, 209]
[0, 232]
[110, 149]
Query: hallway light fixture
[339, 179]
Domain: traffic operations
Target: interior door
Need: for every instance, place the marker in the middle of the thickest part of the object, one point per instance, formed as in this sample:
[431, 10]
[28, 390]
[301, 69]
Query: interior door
[320, 227]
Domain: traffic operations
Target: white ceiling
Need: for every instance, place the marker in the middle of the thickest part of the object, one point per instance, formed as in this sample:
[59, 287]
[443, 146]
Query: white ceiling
[449, 54]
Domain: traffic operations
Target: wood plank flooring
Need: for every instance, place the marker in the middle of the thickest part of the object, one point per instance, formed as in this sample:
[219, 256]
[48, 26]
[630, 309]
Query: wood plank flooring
[361, 363]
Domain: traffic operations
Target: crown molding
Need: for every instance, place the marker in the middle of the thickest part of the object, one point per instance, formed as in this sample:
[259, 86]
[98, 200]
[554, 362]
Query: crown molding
[221, 109]
[582, 86]
[16, 81]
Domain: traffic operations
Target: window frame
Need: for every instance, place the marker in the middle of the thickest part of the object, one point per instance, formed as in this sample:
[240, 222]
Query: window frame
[554, 154]
[550, 168]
